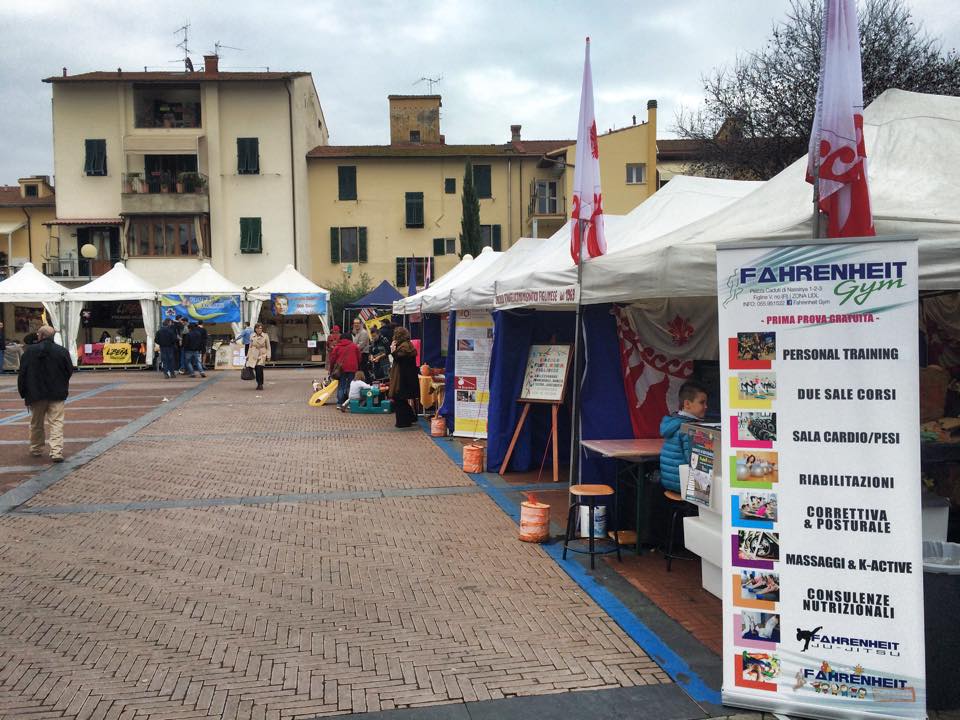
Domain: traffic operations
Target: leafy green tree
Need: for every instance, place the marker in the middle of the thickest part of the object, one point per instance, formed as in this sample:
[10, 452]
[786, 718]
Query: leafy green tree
[757, 114]
[470, 220]
[344, 293]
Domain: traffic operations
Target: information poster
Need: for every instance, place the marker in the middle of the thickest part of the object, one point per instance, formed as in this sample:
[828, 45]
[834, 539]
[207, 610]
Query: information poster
[117, 353]
[298, 304]
[474, 348]
[703, 448]
[209, 308]
[823, 575]
[545, 378]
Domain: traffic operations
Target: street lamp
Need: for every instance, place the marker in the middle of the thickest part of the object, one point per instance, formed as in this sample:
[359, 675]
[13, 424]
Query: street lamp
[89, 253]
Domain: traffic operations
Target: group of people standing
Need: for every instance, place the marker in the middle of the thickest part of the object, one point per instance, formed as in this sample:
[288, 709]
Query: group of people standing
[362, 357]
[182, 347]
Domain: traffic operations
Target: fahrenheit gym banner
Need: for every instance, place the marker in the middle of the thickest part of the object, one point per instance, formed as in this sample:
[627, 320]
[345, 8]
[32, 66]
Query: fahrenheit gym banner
[823, 584]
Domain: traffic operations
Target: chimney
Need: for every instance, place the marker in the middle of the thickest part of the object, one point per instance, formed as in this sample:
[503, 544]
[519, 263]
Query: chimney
[211, 64]
[515, 133]
[64, 72]
[634, 119]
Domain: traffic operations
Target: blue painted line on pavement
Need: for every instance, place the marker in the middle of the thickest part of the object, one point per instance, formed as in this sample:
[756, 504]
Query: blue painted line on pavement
[89, 393]
[647, 639]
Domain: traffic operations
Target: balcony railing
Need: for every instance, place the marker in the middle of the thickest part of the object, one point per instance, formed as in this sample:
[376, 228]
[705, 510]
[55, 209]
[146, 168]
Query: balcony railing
[186, 183]
[69, 267]
[546, 207]
[8, 270]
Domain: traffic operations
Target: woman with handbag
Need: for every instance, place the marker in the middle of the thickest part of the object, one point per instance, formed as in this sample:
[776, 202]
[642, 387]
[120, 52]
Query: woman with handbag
[404, 384]
[258, 353]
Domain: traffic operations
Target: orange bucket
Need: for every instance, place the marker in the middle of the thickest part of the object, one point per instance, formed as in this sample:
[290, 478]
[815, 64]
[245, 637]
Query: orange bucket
[534, 521]
[438, 427]
[473, 458]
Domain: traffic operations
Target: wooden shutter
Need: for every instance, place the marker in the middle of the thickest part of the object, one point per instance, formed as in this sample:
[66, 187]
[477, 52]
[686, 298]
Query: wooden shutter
[335, 245]
[450, 186]
[248, 156]
[495, 237]
[481, 181]
[439, 246]
[95, 157]
[256, 235]
[361, 244]
[347, 182]
[414, 209]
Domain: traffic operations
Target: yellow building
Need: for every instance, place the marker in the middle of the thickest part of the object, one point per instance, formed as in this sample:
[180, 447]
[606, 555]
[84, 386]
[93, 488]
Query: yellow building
[373, 207]
[24, 208]
[167, 169]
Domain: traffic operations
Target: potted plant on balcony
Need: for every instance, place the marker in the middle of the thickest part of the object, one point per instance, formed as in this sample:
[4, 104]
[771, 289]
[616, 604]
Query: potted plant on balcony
[166, 181]
[199, 183]
[187, 182]
[132, 183]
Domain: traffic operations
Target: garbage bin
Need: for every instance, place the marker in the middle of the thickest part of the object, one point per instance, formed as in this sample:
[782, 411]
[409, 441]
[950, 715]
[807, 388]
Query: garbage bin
[941, 608]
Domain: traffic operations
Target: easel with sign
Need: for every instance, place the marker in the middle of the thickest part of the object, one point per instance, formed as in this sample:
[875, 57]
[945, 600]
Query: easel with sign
[544, 382]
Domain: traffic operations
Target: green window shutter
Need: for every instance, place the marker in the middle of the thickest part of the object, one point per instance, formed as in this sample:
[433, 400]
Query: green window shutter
[244, 234]
[335, 245]
[95, 157]
[347, 182]
[450, 186]
[439, 246]
[251, 235]
[414, 209]
[481, 181]
[401, 272]
[361, 244]
[496, 238]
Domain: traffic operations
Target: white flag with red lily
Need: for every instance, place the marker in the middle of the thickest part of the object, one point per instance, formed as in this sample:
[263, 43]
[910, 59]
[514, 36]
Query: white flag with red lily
[587, 198]
[837, 137]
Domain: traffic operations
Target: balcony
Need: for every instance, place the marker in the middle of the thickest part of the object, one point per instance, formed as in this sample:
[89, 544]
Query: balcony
[78, 268]
[163, 194]
[545, 207]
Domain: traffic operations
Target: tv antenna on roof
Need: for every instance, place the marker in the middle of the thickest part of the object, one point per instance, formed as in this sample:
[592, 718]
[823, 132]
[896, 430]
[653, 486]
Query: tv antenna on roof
[184, 45]
[217, 45]
[430, 81]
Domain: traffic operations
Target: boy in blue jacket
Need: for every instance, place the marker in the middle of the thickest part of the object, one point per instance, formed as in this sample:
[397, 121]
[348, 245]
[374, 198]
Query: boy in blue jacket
[676, 446]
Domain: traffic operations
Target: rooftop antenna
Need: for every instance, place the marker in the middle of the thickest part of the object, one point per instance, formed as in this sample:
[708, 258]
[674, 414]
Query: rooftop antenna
[184, 45]
[217, 45]
[430, 81]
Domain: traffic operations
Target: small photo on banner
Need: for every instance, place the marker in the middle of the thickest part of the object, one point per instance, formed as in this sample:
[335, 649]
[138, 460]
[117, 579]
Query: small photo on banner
[756, 589]
[754, 469]
[758, 630]
[757, 670]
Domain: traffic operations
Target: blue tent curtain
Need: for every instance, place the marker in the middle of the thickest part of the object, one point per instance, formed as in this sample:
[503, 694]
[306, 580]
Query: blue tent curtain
[604, 415]
[449, 370]
[430, 350]
[514, 333]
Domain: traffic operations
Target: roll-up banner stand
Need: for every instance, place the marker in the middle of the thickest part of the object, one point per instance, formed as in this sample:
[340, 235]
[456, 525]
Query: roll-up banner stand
[823, 576]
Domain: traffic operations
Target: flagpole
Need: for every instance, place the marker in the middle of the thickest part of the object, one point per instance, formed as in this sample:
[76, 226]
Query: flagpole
[574, 477]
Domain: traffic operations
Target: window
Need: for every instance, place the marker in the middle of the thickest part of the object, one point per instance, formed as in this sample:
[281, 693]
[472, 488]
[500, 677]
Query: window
[444, 246]
[419, 265]
[348, 244]
[96, 157]
[636, 173]
[165, 236]
[251, 235]
[481, 181]
[546, 197]
[490, 236]
[31, 191]
[347, 182]
[450, 186]
[414, 209]
[248, 156]
[414, 136]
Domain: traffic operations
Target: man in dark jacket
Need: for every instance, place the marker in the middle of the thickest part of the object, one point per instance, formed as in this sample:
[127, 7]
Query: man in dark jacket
[204, 337]
[44, 382]
[192, 346]
[166, 340]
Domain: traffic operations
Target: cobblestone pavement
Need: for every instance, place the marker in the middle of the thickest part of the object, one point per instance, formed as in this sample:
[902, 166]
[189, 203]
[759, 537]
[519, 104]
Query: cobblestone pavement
[246, 556]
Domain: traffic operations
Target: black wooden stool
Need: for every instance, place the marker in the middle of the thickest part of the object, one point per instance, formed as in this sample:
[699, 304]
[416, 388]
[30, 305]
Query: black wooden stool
[587, 496]
[681, 509]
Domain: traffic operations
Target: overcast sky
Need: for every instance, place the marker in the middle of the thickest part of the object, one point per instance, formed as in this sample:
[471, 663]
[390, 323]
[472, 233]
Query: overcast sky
[501, 61]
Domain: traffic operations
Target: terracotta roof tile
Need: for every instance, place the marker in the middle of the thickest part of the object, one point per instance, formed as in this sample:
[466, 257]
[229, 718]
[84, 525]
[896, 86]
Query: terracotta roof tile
[524, 148]
[173, 77]
[86, 221]
[10, 197]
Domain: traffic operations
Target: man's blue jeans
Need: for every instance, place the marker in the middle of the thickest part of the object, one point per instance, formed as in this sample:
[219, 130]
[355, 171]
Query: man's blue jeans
[193, 365]
[168, 358]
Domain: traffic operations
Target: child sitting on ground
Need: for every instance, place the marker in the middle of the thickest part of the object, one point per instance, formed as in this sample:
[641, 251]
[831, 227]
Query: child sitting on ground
[357, 386]
[676, 446]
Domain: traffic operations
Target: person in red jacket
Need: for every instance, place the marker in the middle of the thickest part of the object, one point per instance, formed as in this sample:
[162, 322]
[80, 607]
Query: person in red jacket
[346, 355]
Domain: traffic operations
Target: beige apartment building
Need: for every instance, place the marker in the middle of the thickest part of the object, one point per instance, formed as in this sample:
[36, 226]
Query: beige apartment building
[376, 208]
[24, 208]
[165, 170]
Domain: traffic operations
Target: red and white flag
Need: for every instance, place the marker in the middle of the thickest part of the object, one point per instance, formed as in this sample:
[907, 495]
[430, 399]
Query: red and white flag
[587, 198]
[837, 137]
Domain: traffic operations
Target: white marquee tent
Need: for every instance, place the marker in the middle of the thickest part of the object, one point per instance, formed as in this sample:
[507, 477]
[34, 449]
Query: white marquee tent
[30, 285]
[206, 281]
[479, 292]
[289, 280]
[410, 305]
[913, 142]
[439, 301]
[116, 284]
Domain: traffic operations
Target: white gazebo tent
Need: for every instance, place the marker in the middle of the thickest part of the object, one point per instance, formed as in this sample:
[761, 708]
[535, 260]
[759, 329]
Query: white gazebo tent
[117, 284]
[411, 305]
[912, 142]
[30, 285]
[206, 281]
[439, 301]
[479, 292]
[289, 280]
